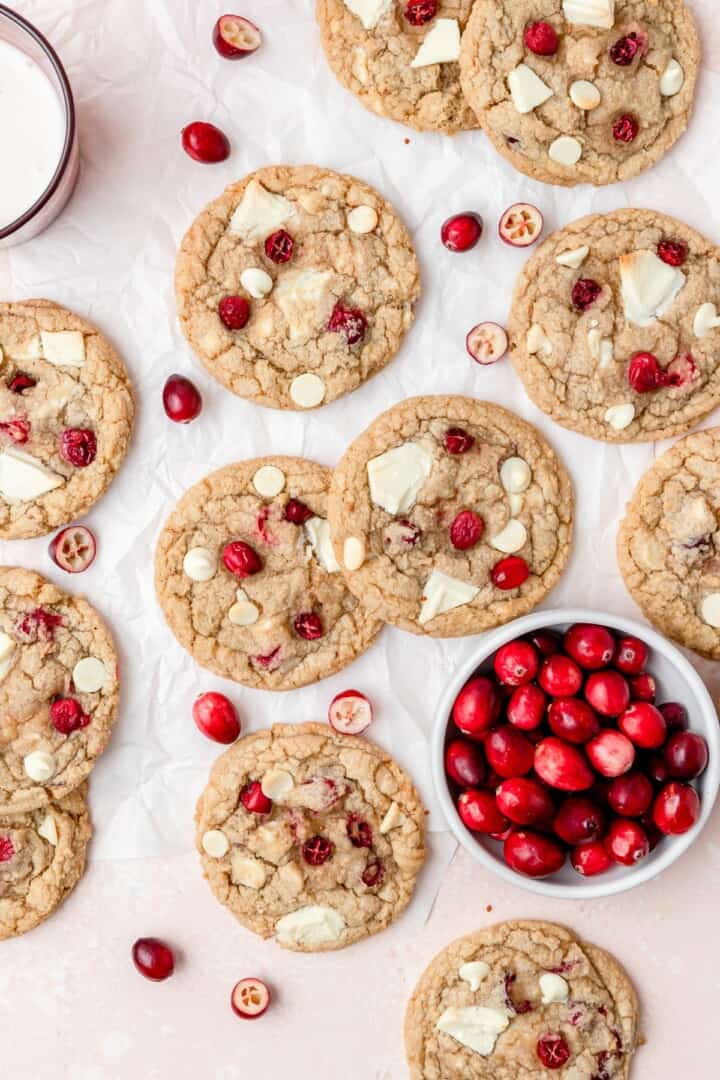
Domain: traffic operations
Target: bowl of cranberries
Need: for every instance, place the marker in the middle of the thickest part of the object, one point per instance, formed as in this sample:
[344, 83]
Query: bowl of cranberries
[576, 754]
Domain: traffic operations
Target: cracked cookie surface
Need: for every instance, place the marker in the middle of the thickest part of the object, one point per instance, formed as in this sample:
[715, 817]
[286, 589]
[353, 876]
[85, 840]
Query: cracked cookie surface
[334, 855]
[669, 543]
[66, 416]
[580, 1020]
[42, 858]
[374, 63]
[435, 494]
[621, 115]
[291, 622]
[577, 362]
[59, 690]
[328, 306]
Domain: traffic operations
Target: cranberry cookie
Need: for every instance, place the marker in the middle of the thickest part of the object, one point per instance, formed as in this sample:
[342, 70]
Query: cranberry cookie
[522, 999]
[66, 415]
[296, 285]
[400, 58]
[450, 516]
[669, 543]
[310, 837]
[248, 581]
[58, 690]
[42, 858]
[615, 328]
[581, 91]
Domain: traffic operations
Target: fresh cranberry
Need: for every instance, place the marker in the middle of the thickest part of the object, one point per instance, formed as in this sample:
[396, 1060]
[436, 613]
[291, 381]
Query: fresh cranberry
[374, 873]
[625, 49]
[235, 37]
[181, 399]
[592, 647]
[350, 323]
[533, 854]
[630, 795]
[66, 716]
[676, 809]
[250, 999]
[541, 38]
[607, 692]
[241, 560]
[657, 769]
[562, 766]
[462, 231]
[297, 512]
[317, 850]
[510, 573]
[526, 708]
[254, 799]
[516, 663]
[611, 753]
[419, 12]
[644, 725]
[270, 661]
[458, 441]
[38, 625]
[579, 820]
[476, 707]
[466, 530]
[644, 373]
[553, 1051]
[73, 549]
[547, 642]
[216, 717]
[234, 312]
[479, 811]
[20, 382]
[524, 801]
[676, 715]
[359, 832]
[309, 625]
[7, 849]
[560, 676]
[78, 446]
[672, 252]
[686, 755]
[508, 751]
[205, 143]
[625, 129]
[573, 719]
[643, 688]
[626, 841]
[585, 293]
[153, 959]
[17, 430]
[464, 763]
[279, 247]
[590, 859]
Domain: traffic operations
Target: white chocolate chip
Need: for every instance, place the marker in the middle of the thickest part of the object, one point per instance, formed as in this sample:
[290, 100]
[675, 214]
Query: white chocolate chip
[538, 341]
[440, 46]
[215, 843]
[553, 988]
[575, 258]
[200, 564]
[711, 610]
[527, 89]
[248, 872]
[706, 319]
[515, 475]
[48, 830]
[269, 481]
[512, 538]
[89, 675]
[515, 502]
[318, 533]
[312, 925]
[243, 612]
[29, 350]
[649, 286]
[397, 476]
[359, 65]
[23, 477]
[307, 390]
[40, 766]
[277, 784]
[260, 212]
[306, 299]
[64, 348]
[354, 553]
[369, 12]
[362, 219]
[565, 150]
[7, 648]
[590, 13]
[443, 593]
[473, 973]
[393, 819]
[475, 1026]
[620, 416]
[257, 282]
[672, 79]
[585, 95]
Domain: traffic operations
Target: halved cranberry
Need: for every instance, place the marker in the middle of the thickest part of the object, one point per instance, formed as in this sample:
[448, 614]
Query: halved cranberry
[541, 38]
[479, 812]
[17, 430]
[458, 441]
[579, 820]
[526, 708]
[607, 692]
[309, 625]
[181, 399]
[461, 232]
[350, 323]
[464, 763]
[560, 676]
[20, 382]
[235, 37]
[532, 854]
[7, 849]
[627, 842]
[254, 799]
[686, 755]
[573, 719]
[644, 373]
[676, 809]
[630, 795]
[486, 343]
[611, 753]
[643, 688]
[590, 646]
[419, 12]
[476, 707]
[676, 715]
[644, 725]
[359, 832]
[508, 752]
[216, 717]
[250, 999]
[625, 49]
[625, 129]
[73, 549]
[681, 371]
[553, 1051]
[521, 225]
[516, 663]
[279, 247]
[590, 859]
[466, 530]
[524, 801]
[562, 766]
[672, 252]
[350, 713]
[241, 560]
[78, 446]
[66, 716]
[297, 512]
[317, 850]
[153, 959]
[205, 143]
[632, 655]
[374, 873]
[585, 292]
[510, 573]
[234, 312]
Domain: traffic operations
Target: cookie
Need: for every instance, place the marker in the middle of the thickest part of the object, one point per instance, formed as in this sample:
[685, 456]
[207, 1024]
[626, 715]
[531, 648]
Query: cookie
[669, 543]
[614, 326]
[247, 578]
[42, 858]
[450, 516]
[581, 91]
[296, 285]
[522, 999]
[58, 690]
[310, 837]
[400, 58]
[66, 416]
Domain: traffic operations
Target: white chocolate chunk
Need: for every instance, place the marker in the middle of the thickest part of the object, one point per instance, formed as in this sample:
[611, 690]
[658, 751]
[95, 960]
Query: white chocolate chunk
[706, 319]
[318, 533]
[553, 988]
[307, 390]
[607, 353]
[516, 503]
[649, 286]
[474, 1026]
[585, 95]
[257, 282]
[710, 610]
[397, 476]
[269, 481]
[538, 341]
[362, 220]
[215, 843]
[512, 538]
[64, 348]
[200, 564]
[306, 301]
[443, 593]
[89, 675]
[247, 871]
[276, 784]
[440, 46]
[527, 89]
[620, 416]
[574, 259]
[565, 150]
[312, 925]
[515, 475]
[672, 79]
[590, 13]
[393, 819]
[473, 973]
[48, 830]
[354, 553]
[7, 648]
[40, 766]
[369, 12]
[359, 66]
[28, 350]
[243, 612]
[260, 213]
[23, 477]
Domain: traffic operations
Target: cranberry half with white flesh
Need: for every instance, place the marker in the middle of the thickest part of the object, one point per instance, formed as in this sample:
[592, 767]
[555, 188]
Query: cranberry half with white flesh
[350, 713]
[216, 717]
[250, 999]
[235, 37]
[521, 225]
[153, 959]
[205, 143]
[487, 343]
[73, 549]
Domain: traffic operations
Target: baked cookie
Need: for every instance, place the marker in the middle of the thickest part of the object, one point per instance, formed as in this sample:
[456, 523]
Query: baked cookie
[247, 578]
[400, 58]
[42, 858]
[296, 285]
[669, 543]
[614, 326]
[58, 690]
[310, 837]
[66, 415]
[450, 516]
[522, 999]
[581, 91]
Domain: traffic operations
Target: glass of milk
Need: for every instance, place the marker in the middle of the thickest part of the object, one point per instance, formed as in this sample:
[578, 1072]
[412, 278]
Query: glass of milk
[40, 154]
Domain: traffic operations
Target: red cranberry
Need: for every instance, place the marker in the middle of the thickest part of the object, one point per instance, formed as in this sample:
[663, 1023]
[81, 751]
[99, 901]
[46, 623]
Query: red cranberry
[676, 809]
[676, 715]
[573, 719]
[234, 312]
[479, 812]
[38, 625]
[630, 795]
[524, 801]
[541, 38]
[216, 717]
[359, 832]
[241, 560]
[374, 873]
[625, 129]
[526, 708]
[317, 850]
[17, 430]
[250, 999]
[579, 820]
[643, 688]
[308, 625]
[553, 1051]
[297, 512]
[590, 859]
[153, 959]
[625, 49]
[533, 854]
[686, 755]
[205, 143]
[547, 642]
[657, 769]
[476, 707]
[466, 530]
[464, 763]
[510, 573]
[592, 647]
[20, 382]
[7, 849]
[419, 12]
[607, 692]
[254, 800]
[235, 37]
[350, 323]
[562, 766]
[350, 712]
[626, 841]
[516, 663]
[672, 252]
[73, 549]
[508, 752]
[66, 716]
[644, 725]
[680, 371]
[585, 293]
[462, 231]
[611, 753]
[279, 247]
[560, 676]
[458, 441]
[644, 373]
[78, 446]
[181, 399]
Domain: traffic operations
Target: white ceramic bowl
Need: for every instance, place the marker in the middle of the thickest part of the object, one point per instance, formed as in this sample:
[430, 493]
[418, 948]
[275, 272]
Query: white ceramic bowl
[677, 681]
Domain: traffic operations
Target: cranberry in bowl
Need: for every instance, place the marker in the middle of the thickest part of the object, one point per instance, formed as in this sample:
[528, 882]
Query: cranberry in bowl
[587, 788]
